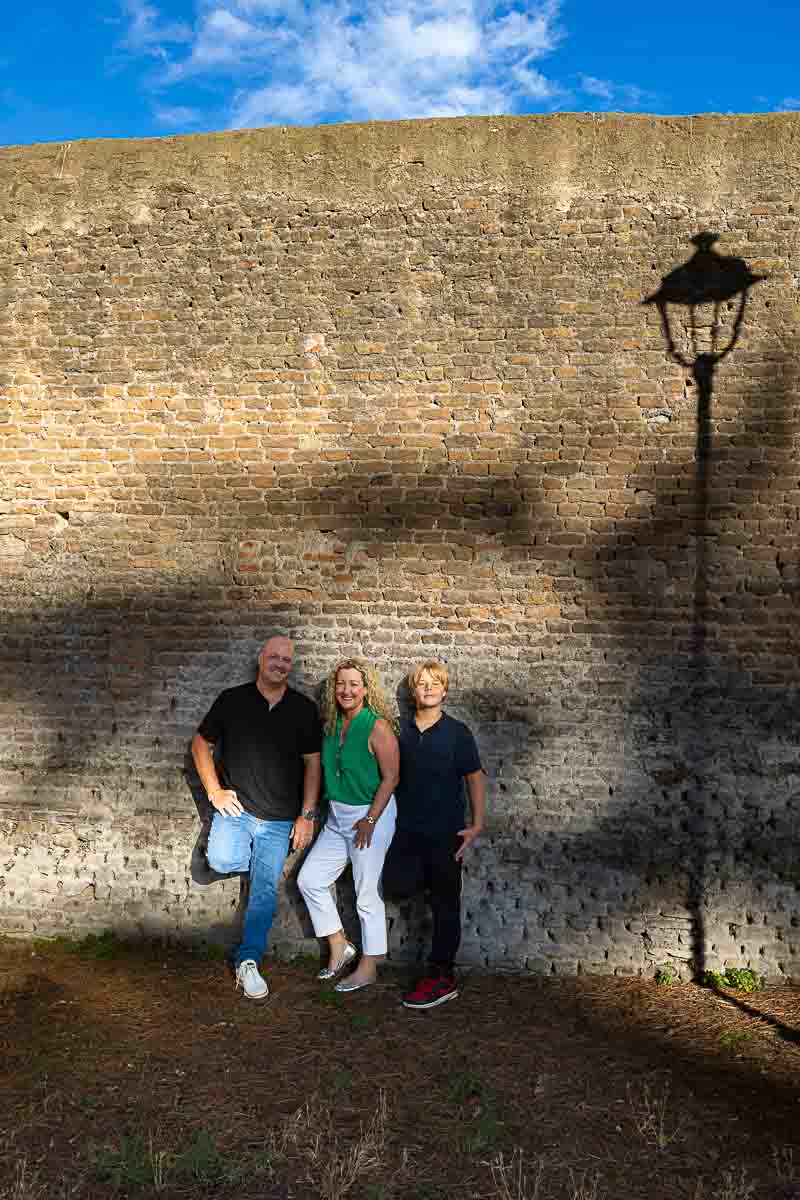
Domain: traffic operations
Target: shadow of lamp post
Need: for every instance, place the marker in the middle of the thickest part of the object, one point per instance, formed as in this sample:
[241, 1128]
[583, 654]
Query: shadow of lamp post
[710, 279]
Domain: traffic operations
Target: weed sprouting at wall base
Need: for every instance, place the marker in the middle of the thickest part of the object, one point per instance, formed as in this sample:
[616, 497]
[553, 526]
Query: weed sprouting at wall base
[740, 979]
[667, 975]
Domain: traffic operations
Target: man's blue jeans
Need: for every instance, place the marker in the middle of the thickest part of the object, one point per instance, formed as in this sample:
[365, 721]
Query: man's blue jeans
[246, 843]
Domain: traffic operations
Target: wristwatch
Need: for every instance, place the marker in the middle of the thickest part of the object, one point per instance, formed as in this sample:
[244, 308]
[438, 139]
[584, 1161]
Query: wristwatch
[370, 820]
[309, 814]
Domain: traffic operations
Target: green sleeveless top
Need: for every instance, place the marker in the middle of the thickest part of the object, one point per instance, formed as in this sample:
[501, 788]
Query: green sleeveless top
[351, 772]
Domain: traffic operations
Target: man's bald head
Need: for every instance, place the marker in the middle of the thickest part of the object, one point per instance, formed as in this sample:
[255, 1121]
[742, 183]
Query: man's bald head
[278, 645]
[275, 663]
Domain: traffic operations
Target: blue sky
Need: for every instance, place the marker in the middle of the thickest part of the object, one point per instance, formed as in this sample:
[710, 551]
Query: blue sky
[147, 68]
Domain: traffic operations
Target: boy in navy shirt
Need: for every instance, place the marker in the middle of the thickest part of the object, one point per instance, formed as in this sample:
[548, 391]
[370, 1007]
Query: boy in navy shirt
[438, 755]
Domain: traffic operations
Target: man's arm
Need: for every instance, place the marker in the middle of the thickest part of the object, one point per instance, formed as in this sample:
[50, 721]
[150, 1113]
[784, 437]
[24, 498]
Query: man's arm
[476, 787]
[223, 800]
[303, 828]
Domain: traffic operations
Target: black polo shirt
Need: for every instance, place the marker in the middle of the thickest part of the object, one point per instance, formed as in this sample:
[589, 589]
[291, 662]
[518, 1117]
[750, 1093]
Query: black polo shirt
[433, 763]
[260, 749]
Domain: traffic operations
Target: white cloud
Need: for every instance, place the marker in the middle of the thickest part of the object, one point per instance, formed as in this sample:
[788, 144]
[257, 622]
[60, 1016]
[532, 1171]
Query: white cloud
[438, 39]
[269, 7]
[289, 104]
[146, 32]
[534, 85]
[228, 27]
[177, 116]
[614, 95]
[789, 104]
[635, 97]
[534, 35]
[303, 61]
[597, 87]
[223, 43]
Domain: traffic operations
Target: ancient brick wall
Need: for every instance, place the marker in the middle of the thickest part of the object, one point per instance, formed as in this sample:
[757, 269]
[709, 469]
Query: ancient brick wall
[392, 389]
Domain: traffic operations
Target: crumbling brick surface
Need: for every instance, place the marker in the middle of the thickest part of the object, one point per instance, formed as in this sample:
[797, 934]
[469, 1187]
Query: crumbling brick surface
[392, 389]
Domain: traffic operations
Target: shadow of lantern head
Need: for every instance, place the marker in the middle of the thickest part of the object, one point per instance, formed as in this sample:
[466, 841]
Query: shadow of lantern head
[708, 277]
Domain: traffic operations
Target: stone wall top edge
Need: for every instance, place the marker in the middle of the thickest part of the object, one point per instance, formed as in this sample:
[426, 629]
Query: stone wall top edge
[564, 154]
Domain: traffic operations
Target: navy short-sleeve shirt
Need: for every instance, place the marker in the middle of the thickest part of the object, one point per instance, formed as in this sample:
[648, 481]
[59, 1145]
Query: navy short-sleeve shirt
[261, 748]
[433, 763]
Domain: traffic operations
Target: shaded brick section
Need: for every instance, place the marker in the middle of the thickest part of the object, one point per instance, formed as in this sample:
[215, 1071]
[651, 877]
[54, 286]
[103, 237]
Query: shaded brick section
[391, 388]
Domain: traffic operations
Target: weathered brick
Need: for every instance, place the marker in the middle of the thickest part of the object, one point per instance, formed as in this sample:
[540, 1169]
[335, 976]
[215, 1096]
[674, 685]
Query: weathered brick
[471, 442]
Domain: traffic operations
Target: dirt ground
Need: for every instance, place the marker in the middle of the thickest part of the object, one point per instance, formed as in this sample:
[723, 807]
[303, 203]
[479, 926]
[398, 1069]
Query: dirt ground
[141, 1072]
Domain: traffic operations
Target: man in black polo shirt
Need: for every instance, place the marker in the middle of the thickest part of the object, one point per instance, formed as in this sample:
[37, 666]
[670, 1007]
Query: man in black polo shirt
[264, 786]
[437, 756]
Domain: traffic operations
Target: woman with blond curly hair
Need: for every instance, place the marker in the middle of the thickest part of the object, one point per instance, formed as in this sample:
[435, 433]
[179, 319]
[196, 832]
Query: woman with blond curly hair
[360, 765]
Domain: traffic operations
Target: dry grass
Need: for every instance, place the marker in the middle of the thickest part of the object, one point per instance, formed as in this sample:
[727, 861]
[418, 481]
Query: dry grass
[512, 1180]
[656, 1123]
[732, 1185]
[343, 1168]
[786, 1165]
[148, 1077]
[333, 1167]
[585, 1187]
[25, 1184]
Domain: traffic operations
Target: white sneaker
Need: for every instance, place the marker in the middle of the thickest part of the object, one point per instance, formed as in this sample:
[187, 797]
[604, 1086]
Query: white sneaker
[251, 981]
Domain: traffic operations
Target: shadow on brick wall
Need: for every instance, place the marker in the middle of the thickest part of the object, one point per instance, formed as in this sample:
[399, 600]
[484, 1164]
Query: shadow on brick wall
[98, 684]
[679, 572]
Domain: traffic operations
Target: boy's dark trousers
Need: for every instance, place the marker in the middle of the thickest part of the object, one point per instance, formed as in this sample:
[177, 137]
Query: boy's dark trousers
[419, 862]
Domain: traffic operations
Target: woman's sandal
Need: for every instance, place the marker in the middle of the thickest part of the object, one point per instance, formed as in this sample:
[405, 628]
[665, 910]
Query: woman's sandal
[333, 968]
[350, 985]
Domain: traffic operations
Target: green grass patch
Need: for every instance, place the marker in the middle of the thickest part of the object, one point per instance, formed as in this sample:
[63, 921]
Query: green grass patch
[362, 1020]
[96, 946]
[330, 999]
[103, 946]
[478, 1125]
[732, 1039]
[210, 952]
[465, 1086]
[128, 1163]
[201, 1158]
[337, 1084]
[136, 1163]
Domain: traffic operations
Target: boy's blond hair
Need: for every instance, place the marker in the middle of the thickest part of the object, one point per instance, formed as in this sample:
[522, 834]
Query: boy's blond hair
[435, 668]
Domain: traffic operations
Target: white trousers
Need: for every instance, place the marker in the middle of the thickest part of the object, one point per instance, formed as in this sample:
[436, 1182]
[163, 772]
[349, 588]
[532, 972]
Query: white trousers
[327, 860]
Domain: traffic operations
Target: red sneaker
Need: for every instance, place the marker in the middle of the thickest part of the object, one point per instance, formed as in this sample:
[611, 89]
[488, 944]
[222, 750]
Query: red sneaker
[430, 992]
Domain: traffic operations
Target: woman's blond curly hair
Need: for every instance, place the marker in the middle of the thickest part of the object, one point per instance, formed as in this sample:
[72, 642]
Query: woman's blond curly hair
[375, 697]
